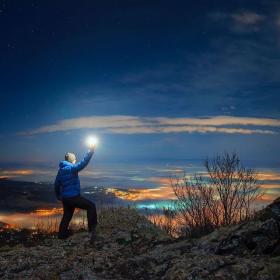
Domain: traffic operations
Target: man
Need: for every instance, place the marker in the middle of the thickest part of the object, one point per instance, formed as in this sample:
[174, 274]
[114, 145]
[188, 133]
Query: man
[67, 189]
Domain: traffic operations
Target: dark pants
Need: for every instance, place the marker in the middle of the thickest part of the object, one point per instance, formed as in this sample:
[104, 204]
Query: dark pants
[69, 205]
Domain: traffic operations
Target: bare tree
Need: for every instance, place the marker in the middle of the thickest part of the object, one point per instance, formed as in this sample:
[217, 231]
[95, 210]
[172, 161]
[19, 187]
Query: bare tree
[224, 197]
[236, 187]
[195, 203]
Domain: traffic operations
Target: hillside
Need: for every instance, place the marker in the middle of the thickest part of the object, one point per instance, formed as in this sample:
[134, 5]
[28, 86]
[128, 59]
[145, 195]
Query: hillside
[130, 247]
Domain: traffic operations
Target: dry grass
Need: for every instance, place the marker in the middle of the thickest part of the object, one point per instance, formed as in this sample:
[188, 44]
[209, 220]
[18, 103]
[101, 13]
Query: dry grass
[50, 223]
[109, 218]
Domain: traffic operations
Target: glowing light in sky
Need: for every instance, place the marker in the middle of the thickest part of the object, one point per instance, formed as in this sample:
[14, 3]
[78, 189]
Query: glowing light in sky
[91, 141]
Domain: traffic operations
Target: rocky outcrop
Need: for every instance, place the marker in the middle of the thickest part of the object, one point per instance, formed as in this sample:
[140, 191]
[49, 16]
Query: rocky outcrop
[129, 247]
[258, 236]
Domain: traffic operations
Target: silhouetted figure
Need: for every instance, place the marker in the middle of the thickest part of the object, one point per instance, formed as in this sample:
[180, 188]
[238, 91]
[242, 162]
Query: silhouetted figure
[67, 189]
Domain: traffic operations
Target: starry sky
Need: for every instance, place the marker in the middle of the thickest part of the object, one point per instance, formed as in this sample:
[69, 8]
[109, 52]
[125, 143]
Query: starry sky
[154, 80]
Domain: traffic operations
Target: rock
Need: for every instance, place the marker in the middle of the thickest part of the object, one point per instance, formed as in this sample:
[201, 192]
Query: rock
[258, 236]
[128, 246]
[123, 237]
[271, 211]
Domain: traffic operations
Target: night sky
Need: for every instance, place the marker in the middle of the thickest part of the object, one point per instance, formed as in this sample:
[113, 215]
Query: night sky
[155, 80]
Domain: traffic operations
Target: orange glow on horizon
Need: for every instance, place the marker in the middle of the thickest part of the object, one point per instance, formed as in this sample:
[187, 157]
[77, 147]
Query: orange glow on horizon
[270, 186]
[47, 212]
[164, 191]
[269, 176]
[267, 198]
[14, 173]
[161, 193]
[8, 226]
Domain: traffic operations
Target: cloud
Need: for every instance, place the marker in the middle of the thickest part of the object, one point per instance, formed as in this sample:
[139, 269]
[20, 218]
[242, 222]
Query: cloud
[277, 21]
[240, 22]
[221, 120]
[247, 18]
[122, 124]
[91, 122]
[189, 129]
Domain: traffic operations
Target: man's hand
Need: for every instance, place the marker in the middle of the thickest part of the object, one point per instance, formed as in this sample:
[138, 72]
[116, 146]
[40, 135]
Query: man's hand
[92, 148]
[91, 142]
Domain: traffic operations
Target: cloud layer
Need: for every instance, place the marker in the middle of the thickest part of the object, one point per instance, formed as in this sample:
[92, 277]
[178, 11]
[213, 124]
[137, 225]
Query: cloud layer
[122, 124]
[240, 22]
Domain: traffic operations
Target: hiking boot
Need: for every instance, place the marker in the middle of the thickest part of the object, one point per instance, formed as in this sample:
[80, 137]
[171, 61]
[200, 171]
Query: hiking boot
[65, 236]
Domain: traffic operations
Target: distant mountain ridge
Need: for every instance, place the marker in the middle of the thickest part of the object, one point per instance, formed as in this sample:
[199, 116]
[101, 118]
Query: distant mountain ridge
[24, 196]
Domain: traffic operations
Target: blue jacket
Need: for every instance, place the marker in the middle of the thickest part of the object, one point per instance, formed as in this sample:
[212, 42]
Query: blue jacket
[67, 182]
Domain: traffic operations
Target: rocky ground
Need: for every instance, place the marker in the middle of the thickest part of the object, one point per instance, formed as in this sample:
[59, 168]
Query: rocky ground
[130, 247]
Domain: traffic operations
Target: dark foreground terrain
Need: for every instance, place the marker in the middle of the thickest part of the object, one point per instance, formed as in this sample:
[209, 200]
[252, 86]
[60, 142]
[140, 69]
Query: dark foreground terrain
[130, 247]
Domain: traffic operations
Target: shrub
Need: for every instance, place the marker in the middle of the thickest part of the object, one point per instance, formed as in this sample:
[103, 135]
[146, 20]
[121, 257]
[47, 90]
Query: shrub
[225, 196]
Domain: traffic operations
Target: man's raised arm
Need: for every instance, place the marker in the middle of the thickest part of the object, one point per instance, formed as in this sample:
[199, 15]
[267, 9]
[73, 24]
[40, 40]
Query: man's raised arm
[83, 163]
